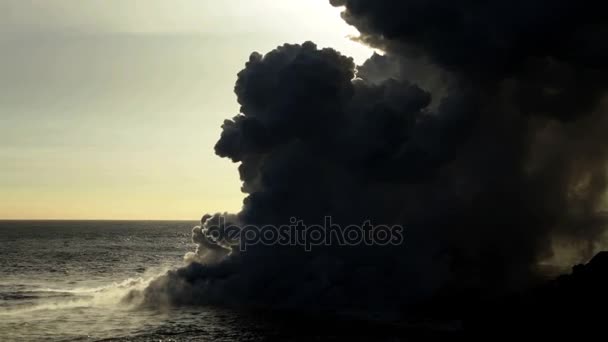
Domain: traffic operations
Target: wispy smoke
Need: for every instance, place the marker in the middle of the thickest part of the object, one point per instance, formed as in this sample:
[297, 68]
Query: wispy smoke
[482, 130]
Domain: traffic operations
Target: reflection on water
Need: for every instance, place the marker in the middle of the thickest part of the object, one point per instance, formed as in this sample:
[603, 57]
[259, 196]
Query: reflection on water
[73, 313]
[66, 281]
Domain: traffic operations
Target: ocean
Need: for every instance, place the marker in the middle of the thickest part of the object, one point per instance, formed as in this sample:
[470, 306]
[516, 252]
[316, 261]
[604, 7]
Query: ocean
[66, 280]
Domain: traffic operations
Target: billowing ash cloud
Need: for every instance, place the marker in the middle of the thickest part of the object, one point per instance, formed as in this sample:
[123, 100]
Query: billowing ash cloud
[481, 131]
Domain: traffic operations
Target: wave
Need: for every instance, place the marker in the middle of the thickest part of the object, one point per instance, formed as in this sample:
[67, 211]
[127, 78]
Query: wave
[108, 296]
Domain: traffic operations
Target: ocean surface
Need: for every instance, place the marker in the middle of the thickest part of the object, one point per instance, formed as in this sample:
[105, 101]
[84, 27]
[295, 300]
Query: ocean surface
[65, 281]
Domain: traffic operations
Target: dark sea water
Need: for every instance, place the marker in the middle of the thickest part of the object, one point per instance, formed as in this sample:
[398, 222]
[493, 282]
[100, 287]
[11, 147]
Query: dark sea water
[65, 281]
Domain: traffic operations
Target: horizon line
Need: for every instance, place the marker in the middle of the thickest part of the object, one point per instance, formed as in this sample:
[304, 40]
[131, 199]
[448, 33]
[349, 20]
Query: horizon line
[91, 219]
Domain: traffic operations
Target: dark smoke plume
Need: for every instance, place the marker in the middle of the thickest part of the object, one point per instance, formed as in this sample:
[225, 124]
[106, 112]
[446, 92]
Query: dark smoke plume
[482, 131]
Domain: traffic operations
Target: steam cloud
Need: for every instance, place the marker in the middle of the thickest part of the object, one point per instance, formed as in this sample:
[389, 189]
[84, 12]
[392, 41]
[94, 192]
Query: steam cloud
[482, 131]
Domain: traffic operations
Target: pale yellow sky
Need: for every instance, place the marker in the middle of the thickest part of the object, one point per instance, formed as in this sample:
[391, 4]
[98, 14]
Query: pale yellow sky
[109, 109]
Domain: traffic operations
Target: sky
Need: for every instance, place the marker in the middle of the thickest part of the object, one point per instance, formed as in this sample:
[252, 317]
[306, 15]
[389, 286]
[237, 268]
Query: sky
[109, 109]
